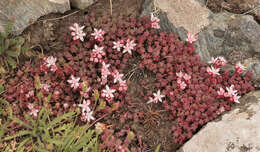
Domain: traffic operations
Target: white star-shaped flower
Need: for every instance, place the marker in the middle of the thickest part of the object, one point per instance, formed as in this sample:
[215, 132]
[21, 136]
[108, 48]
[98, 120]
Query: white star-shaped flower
[77, 32]
[158, 96]
[118, 45]
[74, 82]
[108, 93]
[50, 61]
[85, 106]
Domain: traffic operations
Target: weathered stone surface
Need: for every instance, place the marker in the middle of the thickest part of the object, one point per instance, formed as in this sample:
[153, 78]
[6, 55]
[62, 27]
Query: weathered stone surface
[165, 24]
[191, 14]
[24, 12]
[81, 4]
[228, 33]
[237, 131]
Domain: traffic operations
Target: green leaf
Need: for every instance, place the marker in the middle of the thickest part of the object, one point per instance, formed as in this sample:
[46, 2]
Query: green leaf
[21, 122]
[11, 62]
[6, 44]
[14, 52]
[33, 122]
[40, 114]
[2, 131]
[57, 120]
[102, 105]
[8, 29]
[48, 99]
[2, 88]
[40, 95]
[37, 82]
[19, 40]
[24, 50]
[19, 134]
[25, 141]
[96, 95]
[1, 49]
[158, 148]
[63, 127]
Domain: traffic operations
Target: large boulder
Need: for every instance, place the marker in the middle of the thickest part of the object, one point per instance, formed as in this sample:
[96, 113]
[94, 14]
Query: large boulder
[228, 33]
[237, 130]
[178, 16]
[25, 12]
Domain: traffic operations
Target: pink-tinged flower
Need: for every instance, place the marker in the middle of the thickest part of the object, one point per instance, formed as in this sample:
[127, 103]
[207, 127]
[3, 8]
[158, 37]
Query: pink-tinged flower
[108, 93]
[85, 106]
[122, 149]
[77, 32]
[220, 110]
[155, 21]
[56, 93]
[191, 38]
[182, 85]
[235, 98]
[213, 60]
[239, 68]
[30, 94]
[186, 77]
[86, 93]
[103, 80]
[97, 54]
[230, 91]
[117, 76]
[98, 34]
[221, 61]
[33, 111]
[221, 92]
[66, 105]
[118, 45]
[179, 75]
[158, 96]
[87, 116]
[74, 82]
[232, 94]
[213, 71]
[129, 46]
[122, 86]
[50, 61]
[179, 80]
[151, 100]
[105, 71]
[45, 87]
[54, 68]
[218, 61]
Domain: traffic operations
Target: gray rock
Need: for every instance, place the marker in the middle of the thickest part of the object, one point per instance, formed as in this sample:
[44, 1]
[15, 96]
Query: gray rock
[25, 12]
[191, 14]
[253, 64]
[147, 8]
[237, 130]
[165, 24]
[82, 4]
[227, 33]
